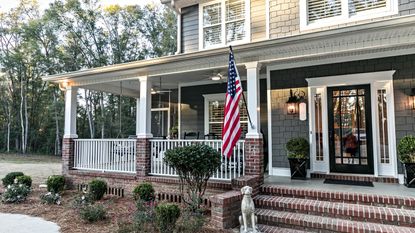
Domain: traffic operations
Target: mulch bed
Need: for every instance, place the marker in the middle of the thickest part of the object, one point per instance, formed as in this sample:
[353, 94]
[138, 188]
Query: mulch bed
[119, 211]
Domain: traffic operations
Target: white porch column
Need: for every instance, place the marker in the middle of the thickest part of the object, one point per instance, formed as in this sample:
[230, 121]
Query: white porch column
[252, 74]
[70, 112]
[144, 107]
[137, 117]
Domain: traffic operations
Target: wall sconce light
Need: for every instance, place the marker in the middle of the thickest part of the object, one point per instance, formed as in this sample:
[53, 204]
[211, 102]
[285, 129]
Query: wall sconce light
[296, 104]
[292, 104]
[63, 85]
[412, 99]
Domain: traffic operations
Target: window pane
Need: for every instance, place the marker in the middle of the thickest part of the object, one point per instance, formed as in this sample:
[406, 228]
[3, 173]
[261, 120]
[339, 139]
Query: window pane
[318, 128]
[212, 14]
[321, 9]
[235, 31]
[235, 10]
[212, 35]
[356, 6]
[216, 110]
[383, 145]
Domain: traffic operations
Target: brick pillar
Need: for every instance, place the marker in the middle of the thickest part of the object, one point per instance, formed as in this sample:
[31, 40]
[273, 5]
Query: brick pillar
[225, 210]
[143, 157]
[254, 158]
[67, 155]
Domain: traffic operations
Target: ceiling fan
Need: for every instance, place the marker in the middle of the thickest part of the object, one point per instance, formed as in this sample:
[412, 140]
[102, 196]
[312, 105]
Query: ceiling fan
[216, 76]
[159, 89]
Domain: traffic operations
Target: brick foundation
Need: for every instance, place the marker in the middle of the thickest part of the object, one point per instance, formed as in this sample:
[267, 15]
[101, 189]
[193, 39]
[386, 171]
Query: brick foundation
[254, 159]
[225, 210]
[67, 155]
[143, 157]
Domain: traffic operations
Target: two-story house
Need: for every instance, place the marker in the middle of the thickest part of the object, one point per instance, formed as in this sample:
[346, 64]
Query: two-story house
[350, 63]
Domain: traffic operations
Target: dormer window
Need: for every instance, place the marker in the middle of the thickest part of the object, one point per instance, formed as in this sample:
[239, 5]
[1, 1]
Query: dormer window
[223, 22]
[322, 13]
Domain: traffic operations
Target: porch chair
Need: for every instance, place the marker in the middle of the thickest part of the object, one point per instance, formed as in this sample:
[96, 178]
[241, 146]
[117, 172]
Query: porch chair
[191, 135]
[211, 136]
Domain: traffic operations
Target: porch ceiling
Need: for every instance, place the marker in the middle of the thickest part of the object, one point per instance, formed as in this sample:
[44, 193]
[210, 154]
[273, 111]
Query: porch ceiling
[390, 37]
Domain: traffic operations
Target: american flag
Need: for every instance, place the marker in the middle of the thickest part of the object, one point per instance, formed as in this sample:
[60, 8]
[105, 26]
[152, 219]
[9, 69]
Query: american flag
[231, 124]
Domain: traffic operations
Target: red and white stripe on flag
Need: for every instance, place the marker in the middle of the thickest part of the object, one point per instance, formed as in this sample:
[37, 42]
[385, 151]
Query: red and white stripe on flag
[231, 130]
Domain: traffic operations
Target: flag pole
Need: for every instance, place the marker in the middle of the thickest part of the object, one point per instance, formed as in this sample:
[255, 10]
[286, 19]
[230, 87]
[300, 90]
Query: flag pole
[243, 97]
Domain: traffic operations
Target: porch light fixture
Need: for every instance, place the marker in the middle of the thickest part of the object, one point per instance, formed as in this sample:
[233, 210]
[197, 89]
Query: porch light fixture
[63, 85]
[296, 104]
[412, 99]
[292, 104]
[215, 78]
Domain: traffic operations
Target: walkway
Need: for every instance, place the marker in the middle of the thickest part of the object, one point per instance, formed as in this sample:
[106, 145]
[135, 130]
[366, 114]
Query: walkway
[17, 223]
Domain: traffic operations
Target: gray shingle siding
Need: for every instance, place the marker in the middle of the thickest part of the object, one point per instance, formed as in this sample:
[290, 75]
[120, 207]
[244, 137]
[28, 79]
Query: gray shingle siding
[190, 29]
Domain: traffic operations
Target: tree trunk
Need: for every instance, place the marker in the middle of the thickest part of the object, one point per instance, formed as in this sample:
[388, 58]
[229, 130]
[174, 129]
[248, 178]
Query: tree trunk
[57, 136]
[101, 102]
[23, 148]
[89, 114]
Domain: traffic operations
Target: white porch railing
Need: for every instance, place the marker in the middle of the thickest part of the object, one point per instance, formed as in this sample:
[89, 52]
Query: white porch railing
[229, 169]
[110, 155]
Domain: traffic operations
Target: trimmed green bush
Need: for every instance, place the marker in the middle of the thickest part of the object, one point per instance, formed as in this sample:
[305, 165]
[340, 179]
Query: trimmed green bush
[15, 193]
[166, 217]
[144, 191]
[406, 149]
[93, 213]
[97, 189]
[50, 198]
[9, 178]
[26, 180]
[298, 148]
[56, 183]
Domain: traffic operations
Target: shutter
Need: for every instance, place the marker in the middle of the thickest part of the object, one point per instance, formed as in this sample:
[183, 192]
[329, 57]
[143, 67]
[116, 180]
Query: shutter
[212, 19]
[322, 9]
[235, 20]
[356, 6]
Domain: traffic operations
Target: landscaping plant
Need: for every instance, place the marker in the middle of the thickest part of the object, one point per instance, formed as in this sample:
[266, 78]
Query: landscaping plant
[25, 180]
[56, 183]
[97, 189]
[93, 213]
[298, 148]
[50, 198]
[406, 149]
[15, 193]
[166, 217]
[194, 164]
[144, 191]
[10, 177]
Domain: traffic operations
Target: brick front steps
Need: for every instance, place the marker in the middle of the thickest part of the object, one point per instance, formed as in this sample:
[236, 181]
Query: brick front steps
[360, 177]
[346, 197]
[272, 229]
[328, 211]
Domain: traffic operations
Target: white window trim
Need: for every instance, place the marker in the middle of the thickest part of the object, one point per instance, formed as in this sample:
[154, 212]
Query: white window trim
[247, 39]
[209, 98]
[391, 8]
[377, 80]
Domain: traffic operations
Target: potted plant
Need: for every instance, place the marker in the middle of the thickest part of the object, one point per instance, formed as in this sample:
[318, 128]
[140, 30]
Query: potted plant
[406, 151]
[298, 151]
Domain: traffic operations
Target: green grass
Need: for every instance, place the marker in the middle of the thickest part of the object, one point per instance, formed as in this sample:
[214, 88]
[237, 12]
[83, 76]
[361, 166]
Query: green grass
[29, 158]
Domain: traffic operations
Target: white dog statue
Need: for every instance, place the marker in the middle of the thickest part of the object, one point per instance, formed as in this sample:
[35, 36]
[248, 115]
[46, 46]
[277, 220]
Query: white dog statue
[248, 219]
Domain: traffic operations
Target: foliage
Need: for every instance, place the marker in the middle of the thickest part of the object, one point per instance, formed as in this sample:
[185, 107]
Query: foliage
[15, 193]
[93, 213]
[194, 164]
[50, 198]
[406, 149]
[190, 222]
[25, 180]
[10, 177]
[97, 189]
[56, 183]
[166, 217]
[82, 200]
[144, 191]
[298, 148]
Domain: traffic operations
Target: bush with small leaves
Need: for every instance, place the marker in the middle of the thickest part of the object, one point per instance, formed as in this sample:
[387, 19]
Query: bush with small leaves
[190, 222]
[26, 180]
[93, 213]
[97, 189]
[144, 191]
[15, 193]
[82, 200]
[56, 183]
[50, 198]
[166, 217]
[10, 177]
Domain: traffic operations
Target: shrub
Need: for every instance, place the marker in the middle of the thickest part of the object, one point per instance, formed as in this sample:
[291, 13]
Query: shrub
[144, 191]
[56, 183]
[92, 213]
[194, 164]
[82, 200]
[298, 148]
[15, 193]
[50, 198]
[166, 217]
[190, 222]
[10, 177]
[406, 149]
[26, 180]
[97, 189]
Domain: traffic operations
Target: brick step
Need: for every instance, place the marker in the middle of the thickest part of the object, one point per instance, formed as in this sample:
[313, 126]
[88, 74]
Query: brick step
[343, 197]
[273, 229]
[323, 224]
[356, 212]
[360, 177]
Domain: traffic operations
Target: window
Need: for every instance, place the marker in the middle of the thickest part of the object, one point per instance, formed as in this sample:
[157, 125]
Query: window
[224, 23]
[214, 107]
[383, 145]
[321, 13]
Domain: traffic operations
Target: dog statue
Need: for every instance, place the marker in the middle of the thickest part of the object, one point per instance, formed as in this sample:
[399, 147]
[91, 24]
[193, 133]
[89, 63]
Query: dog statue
[248, 219]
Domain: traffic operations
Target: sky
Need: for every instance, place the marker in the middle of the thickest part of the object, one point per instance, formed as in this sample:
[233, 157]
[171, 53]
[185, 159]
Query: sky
[6, 5]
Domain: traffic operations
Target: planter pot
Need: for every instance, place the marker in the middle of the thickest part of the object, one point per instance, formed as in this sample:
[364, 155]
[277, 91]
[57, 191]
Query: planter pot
[298, 168]
[409, 175]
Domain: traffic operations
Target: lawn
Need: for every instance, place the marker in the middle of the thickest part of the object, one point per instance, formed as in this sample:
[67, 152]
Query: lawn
[28, 158]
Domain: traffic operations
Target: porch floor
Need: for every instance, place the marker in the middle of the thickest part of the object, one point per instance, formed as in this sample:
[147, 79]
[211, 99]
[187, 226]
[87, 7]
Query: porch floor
[379, 188]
